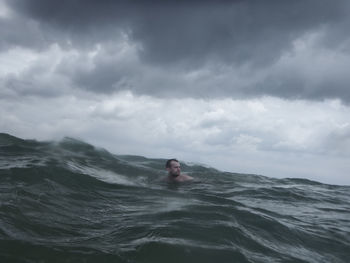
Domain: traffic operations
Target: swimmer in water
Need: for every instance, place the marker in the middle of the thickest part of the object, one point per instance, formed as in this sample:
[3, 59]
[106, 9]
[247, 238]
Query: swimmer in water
[174, 172]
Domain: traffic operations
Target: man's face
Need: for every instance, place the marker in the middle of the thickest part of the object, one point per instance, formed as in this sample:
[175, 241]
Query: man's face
[174, 169]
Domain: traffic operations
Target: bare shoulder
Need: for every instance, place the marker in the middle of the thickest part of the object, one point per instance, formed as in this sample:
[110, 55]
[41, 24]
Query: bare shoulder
[188, 177]
[179, 179]
[185, 177]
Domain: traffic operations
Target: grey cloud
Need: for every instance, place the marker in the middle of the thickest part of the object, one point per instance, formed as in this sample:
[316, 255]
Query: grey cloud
[338, 141]
[26, 85]
[184, 36]
[18, 32]
[191, 31]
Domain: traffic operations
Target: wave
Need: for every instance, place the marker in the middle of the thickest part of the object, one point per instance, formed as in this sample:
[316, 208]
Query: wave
[69, 201]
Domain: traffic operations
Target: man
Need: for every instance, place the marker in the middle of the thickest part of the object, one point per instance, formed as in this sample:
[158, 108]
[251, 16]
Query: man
[174, 172]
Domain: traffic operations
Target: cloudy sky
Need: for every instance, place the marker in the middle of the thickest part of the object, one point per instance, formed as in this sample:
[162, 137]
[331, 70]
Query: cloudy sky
[257, 87]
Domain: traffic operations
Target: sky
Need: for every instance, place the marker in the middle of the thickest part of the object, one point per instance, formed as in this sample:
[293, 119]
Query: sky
[258, 87]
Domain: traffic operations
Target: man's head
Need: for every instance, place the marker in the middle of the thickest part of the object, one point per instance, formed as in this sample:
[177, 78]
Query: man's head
[173, 167]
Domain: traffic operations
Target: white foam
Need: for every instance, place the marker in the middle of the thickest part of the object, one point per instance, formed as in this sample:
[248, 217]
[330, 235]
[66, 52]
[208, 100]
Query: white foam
[102, 174]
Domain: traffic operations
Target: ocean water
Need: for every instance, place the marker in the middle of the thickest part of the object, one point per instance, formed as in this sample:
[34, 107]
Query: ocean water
[69, 201]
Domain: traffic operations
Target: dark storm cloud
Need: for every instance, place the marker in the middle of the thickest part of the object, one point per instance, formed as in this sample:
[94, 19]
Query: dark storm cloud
[19, 33]
[187, 35]
[172, 31]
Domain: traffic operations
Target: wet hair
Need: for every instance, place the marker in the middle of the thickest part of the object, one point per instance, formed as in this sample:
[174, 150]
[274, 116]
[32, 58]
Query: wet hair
[168, 162]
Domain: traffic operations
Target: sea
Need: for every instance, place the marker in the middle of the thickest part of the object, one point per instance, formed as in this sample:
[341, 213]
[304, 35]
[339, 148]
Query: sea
[69, 201]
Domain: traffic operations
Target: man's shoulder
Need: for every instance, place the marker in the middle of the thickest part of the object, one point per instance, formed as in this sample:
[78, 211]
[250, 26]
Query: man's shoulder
[185, 177]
